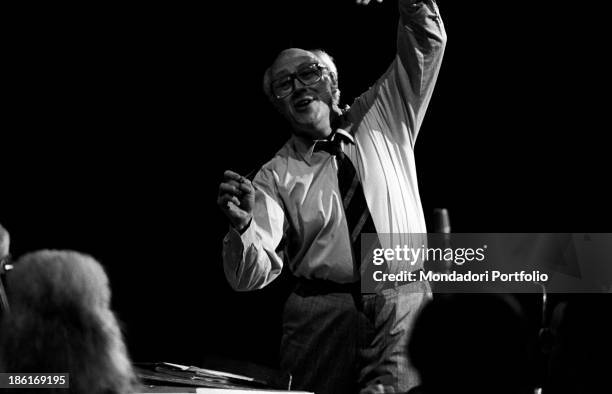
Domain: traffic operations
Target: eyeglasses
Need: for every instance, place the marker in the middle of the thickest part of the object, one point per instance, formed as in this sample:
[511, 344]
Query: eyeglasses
[307, 75]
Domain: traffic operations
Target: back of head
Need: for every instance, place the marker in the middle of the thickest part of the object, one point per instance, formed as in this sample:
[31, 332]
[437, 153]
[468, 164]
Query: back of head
[4, 242]
[60, 321]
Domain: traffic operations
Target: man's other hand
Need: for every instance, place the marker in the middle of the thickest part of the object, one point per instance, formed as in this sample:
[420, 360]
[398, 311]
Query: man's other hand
[236, 199]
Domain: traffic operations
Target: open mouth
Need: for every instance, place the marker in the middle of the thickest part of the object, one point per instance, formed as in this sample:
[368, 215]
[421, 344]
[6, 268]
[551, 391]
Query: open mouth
[303, 103]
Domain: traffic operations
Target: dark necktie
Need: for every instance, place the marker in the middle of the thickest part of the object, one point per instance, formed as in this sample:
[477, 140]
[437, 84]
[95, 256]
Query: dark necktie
[358, 217]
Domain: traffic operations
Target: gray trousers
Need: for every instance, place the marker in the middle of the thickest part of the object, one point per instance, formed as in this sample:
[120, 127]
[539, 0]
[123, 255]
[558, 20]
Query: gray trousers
[346, 342]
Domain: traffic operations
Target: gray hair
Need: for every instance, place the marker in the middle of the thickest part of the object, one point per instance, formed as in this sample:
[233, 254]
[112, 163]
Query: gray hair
[326, 60]
[61, 321]
[5, 241]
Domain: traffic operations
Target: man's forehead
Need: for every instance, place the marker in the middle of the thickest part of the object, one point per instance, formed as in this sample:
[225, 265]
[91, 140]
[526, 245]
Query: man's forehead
[289, 59]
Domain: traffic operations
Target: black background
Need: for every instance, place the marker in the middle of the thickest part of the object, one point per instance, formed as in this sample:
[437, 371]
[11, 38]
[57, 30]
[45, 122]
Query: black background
[120, 120]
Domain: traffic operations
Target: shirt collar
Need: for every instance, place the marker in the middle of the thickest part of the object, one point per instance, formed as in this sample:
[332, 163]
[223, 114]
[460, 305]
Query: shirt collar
[305, 146]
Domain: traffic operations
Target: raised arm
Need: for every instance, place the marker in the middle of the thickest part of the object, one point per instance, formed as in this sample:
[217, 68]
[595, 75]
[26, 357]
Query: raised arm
[251, 248]
[401, 96]
[421, 39]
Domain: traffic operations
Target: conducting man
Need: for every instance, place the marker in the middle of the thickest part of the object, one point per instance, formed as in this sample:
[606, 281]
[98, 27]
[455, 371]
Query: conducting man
[341, 174]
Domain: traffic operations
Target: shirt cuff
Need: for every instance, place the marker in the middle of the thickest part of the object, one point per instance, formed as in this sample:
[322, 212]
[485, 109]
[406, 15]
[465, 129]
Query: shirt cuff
[240, 241]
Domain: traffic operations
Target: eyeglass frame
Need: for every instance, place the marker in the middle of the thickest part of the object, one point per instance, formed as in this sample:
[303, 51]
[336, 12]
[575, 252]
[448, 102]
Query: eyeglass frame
[294, 75]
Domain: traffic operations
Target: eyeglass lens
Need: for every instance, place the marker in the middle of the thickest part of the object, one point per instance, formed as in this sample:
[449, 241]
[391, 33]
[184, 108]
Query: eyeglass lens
[309, 75]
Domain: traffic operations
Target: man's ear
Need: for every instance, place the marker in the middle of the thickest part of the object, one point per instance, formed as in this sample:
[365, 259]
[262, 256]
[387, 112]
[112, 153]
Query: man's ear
[334, 79]
[334, 88]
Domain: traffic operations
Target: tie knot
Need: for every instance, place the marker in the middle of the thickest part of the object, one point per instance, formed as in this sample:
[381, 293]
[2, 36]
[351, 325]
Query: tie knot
[332, 146]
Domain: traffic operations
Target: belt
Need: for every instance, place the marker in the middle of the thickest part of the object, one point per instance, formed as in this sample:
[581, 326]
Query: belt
[322, 286]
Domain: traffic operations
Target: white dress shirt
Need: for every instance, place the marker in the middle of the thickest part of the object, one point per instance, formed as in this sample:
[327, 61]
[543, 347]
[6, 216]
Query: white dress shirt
[298, 217]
